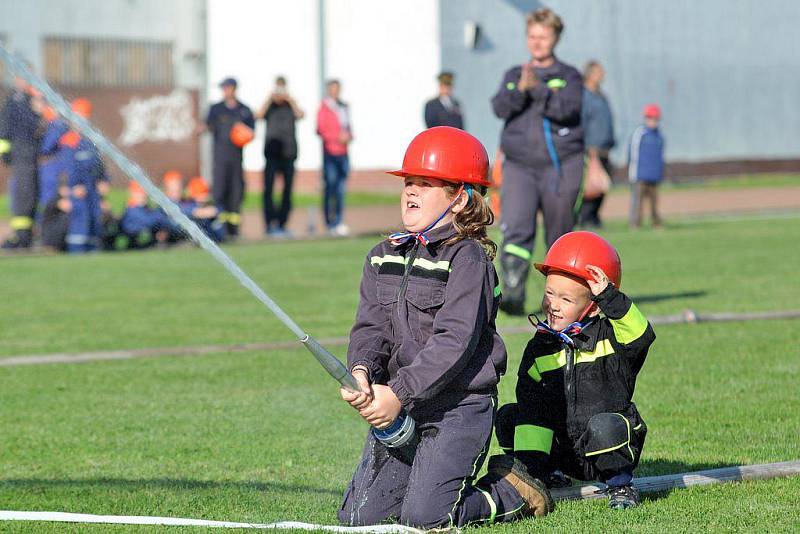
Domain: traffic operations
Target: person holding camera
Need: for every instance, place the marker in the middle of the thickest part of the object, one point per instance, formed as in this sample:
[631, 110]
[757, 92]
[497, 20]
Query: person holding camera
[280, 111]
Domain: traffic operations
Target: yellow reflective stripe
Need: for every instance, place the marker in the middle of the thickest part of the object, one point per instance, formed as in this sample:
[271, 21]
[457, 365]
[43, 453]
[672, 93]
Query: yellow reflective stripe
[603, 348]
[630, 327]
[556, 83]
[422, 263]
[21, 223]
[492, 505]
[234, 218]
[432, 265]
[497, 290]
[223, 216]
[551, 362]
[615, 447]
[5, 146]
[516, 250]
[380, 260]
[533, 438]
[623, 444]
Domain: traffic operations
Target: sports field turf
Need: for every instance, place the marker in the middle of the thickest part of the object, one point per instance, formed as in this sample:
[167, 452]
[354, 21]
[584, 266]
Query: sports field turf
[262, 436]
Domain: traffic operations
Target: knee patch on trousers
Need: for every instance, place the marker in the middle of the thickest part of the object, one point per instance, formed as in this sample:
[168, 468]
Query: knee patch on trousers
[505, 423]
[609, 442]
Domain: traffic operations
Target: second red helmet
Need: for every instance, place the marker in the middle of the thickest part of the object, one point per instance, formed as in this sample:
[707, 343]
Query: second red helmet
[448, 154]
[572, 252]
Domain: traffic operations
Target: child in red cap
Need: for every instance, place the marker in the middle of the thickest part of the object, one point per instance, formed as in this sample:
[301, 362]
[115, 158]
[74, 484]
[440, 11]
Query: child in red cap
[646, 166]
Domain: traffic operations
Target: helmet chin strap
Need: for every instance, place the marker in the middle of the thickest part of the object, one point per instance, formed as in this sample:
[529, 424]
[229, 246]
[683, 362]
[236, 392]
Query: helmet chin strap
[572, 329]
[398, 238]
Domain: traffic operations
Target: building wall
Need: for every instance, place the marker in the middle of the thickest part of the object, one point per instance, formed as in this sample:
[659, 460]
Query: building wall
[725, 73]
[26, 23]
[386, 55]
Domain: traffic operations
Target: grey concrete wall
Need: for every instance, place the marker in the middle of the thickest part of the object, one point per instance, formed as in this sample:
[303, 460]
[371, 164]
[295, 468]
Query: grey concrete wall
[25, 23]
[726, 74]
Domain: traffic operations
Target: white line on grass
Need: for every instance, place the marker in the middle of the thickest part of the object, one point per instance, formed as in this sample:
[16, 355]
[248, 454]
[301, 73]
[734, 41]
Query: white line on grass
[65, 517]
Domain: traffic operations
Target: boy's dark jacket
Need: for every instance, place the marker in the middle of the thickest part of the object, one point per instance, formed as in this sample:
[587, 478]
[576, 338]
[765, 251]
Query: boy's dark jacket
[559, 387]
[435, 335]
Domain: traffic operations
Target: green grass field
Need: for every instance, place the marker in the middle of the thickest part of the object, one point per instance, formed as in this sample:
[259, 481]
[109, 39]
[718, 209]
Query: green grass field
[262, 436]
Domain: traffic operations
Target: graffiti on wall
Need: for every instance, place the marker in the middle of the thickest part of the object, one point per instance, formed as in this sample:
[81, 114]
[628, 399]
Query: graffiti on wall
[158, 118]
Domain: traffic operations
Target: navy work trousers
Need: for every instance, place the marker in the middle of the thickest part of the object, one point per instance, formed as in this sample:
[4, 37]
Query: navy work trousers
[436, 489]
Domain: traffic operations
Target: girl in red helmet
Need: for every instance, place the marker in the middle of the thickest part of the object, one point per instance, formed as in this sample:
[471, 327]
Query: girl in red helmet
[425, 345]
[574, 413]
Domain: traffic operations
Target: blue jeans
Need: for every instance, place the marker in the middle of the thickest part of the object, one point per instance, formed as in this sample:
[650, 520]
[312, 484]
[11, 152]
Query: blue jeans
[334, 175]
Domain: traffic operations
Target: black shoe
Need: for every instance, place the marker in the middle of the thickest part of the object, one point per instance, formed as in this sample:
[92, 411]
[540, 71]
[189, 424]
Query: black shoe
[557, 479]
[622, 497]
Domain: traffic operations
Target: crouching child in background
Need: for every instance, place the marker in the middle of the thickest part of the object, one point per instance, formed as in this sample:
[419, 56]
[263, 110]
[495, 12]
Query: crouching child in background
[140, 223]
[425, 343]
[202, 211]
[574, 413]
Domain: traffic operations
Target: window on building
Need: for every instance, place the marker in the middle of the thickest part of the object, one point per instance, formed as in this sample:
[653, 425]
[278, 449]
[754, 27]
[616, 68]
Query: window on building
[108, 62]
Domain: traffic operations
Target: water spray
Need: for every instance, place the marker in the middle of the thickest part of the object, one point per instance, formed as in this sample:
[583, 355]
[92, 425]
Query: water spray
[399, 434]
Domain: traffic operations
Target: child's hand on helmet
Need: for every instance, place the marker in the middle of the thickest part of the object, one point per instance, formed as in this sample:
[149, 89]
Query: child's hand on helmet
[598, 281]
[361, 399]
[384, 408]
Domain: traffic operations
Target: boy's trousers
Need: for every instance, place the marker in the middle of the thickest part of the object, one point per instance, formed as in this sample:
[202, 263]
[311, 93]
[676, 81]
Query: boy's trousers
[608, 450]
[436, 489]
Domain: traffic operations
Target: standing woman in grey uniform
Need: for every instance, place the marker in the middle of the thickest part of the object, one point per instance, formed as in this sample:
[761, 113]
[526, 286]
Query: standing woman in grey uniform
[540, 102]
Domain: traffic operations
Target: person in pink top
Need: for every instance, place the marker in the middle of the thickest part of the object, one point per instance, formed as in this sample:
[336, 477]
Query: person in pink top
[333, 126]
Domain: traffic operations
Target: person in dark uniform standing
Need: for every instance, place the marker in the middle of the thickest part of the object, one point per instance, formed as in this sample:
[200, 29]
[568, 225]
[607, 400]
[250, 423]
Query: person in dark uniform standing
[21, 129]
[280, 112]
[444, 110]
[228, 186]
[542, 140]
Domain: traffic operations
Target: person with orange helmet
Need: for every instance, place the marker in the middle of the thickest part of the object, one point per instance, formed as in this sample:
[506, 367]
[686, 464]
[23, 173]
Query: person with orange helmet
[139, 222]
[231, 124]
[574, 413]
[424, 345]
[89, 183]
[203, 212]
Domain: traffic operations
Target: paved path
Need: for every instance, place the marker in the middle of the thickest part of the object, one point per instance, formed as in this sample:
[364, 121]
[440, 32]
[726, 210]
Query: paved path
[306, 222]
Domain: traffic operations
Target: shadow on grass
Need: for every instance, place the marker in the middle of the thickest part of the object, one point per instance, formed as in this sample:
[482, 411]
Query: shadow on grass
[658, 297]
[160, 483]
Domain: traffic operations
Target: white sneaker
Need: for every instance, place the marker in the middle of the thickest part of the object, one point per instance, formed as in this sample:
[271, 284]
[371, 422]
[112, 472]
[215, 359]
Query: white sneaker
[342, 230]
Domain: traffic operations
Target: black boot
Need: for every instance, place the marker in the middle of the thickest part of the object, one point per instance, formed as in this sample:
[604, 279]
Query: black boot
[23, 239]
[514, 276]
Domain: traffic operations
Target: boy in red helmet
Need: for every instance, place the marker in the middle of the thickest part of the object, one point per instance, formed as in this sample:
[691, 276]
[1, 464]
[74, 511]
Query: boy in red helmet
[425, 343]
[574, 413]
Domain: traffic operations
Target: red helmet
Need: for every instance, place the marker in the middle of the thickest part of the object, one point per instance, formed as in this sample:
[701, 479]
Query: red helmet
[82, 107]
[241, 134]
[448, 154]
[173, 176]
[652, 111]
[572, 252]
